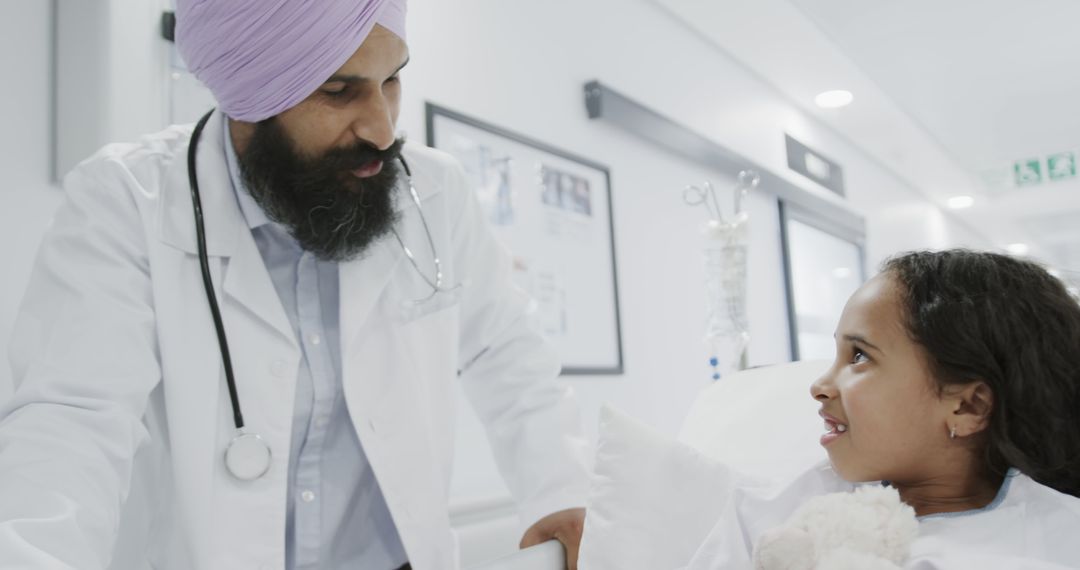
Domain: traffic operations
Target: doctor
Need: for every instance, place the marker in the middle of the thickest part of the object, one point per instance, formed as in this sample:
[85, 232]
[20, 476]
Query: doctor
[240, 345]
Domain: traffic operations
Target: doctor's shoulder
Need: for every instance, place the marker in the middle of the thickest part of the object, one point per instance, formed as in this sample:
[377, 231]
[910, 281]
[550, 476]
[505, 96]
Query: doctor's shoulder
[137, 167]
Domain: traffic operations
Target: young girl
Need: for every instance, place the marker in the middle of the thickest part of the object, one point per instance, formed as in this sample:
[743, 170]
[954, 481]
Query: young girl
[957, 382]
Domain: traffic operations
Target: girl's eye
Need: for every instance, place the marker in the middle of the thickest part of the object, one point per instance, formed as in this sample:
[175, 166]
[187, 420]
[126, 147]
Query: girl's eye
[858, 356]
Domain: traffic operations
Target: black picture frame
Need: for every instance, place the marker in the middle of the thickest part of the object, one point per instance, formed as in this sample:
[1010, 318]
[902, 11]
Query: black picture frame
[571, 196]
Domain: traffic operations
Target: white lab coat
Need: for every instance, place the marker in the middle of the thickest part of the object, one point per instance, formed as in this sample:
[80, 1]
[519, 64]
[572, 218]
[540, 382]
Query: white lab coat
[120, 384]
[1029, 527]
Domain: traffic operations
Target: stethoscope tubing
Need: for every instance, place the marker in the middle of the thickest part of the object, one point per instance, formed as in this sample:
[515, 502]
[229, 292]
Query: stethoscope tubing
[204, 262]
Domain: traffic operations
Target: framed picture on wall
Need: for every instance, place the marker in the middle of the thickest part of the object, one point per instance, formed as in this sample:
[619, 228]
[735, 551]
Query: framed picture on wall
[552, 211]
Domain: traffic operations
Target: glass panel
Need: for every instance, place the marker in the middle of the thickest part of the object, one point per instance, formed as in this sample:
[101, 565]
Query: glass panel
[825, 271]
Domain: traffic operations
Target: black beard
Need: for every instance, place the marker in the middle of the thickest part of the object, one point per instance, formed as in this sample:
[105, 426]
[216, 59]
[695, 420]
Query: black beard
[329, 211]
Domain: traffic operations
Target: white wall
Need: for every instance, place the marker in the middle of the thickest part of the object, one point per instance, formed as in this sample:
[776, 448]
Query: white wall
[111, 76]
[27, 199]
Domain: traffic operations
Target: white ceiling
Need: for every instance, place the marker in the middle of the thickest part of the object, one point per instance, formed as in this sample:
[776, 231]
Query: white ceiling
[992, 80]
[950, 94]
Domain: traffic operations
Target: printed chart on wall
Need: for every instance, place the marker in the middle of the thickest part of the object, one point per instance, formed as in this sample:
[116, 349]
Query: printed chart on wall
[552, 210]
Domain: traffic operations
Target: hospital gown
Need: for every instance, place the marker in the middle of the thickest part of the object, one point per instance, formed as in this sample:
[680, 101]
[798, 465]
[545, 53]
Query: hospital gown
[1027, 526]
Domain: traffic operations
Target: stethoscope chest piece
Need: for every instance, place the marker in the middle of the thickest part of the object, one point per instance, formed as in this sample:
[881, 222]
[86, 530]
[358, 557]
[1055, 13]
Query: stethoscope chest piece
[248, 457]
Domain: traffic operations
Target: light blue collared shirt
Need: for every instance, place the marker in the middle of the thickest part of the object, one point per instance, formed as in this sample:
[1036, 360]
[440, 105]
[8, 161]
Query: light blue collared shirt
[337, 516]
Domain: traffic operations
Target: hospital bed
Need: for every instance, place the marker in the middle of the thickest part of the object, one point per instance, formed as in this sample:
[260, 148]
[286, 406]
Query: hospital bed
[547, 556]
[737, 421]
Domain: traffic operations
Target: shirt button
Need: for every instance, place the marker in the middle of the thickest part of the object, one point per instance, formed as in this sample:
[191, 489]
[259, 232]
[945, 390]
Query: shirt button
[316, 339]
[307, 496]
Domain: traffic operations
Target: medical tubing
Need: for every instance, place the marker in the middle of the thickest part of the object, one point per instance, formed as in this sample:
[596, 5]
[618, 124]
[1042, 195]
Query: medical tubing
[200, 231]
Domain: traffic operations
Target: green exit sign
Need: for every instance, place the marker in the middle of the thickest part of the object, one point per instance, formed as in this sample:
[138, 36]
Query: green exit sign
[1027, 172]
[1061, 166]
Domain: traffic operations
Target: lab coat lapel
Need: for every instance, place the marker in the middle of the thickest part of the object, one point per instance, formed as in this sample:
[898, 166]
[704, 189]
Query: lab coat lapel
[221, 212]
[248, 283]
[361, 284]
[362, 281]
[227, 234]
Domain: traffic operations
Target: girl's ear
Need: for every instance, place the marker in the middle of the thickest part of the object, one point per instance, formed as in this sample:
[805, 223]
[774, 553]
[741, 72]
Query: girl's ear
[971, 405]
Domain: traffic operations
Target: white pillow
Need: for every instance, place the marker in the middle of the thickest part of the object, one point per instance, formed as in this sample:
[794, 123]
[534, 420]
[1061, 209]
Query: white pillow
[652, 500]
[761, 421]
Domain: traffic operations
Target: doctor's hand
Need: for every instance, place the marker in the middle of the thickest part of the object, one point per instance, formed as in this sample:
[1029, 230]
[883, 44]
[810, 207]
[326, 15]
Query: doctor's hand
[564, 526]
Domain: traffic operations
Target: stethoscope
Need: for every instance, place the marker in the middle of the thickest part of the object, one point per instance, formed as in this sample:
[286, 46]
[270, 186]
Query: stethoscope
[248, 456]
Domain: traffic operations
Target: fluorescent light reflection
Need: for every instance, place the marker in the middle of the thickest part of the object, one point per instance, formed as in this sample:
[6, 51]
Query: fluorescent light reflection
[961, 202]
[834, 99]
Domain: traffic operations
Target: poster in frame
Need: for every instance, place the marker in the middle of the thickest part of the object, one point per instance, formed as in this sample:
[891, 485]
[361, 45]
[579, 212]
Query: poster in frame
[552, 210]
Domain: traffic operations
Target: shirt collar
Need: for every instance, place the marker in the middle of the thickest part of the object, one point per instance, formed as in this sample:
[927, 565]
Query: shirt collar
[253, 213]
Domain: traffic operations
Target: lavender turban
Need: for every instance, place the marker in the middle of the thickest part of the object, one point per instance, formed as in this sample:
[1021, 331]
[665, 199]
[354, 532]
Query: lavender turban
[262, 57]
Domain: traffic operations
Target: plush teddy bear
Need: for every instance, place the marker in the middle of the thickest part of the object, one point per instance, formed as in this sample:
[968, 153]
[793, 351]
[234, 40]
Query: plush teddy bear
[868, 529]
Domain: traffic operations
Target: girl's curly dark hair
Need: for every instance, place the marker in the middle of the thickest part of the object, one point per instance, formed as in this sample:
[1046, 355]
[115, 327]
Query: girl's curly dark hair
[1009, 323]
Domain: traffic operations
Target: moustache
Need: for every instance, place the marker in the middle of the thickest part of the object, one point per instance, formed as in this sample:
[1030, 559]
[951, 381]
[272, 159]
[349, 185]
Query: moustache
[359, 155]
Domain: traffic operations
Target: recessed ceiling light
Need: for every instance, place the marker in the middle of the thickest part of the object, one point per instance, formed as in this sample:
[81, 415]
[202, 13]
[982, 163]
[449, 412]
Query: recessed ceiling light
[961, 202]
[834, 99]
[1017, 248]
